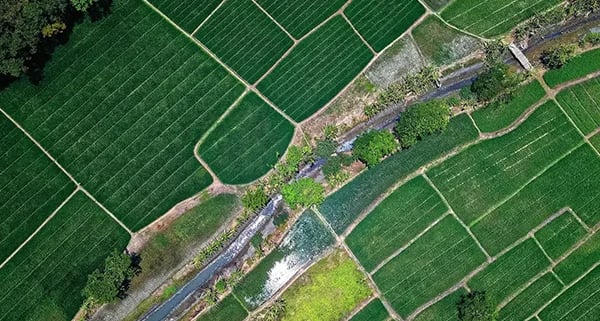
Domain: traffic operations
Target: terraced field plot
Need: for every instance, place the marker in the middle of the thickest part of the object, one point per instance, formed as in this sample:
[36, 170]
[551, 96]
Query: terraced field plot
[578, 67]
[399, 218]
[428, 266]
[41, 281]
[490, 18]
[244, 37]
[31, 187]
[483, 175]
[380, 22]
[121, 108]
[580, 260]
[187, 14]
[582, 104]
[300, 16]
[246, 143]
[531, 299]
[316, 69]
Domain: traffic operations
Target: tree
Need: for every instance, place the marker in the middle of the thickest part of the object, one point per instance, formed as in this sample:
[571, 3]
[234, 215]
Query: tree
[254, 199]
[82, 5]
[111, 283]
[493, 82]
[475, 306]
[558, 56]
[303, 192]
[372, 146]
[421, 120]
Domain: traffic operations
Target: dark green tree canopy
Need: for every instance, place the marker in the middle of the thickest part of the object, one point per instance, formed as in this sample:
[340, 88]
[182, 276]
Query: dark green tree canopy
[372, 146]
[475, 306]
[556, 57]
[421, 120]
[496, 80]
[303, 192]
[111, 283]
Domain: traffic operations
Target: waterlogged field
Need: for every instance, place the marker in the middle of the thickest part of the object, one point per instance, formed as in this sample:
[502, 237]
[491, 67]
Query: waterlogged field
[31, 187]
[187, 14]
[578, 67]
[316, 69]
[300, 16]
[582, 104]
[381, 22]
[245, 38]
[307, 240]
[491, 18]
[246, 143]
[42, 281]
[374, 311]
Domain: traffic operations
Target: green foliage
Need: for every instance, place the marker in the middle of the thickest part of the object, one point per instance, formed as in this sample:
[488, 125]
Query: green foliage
[109, 284]
[558, 56]
[422, 120]
[281, 218]
[494, 52]
[53, 29]
[303, 193]
[591, 39]
[372, 146]
[221, 286]
[325, 148]
[580, 66]
[330, 132]
[475, 306]
[169, 291]
[274, 312]
[496, 80]
[332, 166]
[82, 5]
[254, 199]
[257, 241]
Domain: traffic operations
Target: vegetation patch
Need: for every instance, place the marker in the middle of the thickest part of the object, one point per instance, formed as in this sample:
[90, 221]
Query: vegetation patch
[43, 280]
[382, 22]
[531, 299]
[581, 260]
[428, 266]
[247, 142]
[374, 311]
[582, 103]
[560, 235]
[498, 114]
[394, 222]
[327, 291]
[398, 61]
[245, 38]
[316, 70]
[443, 310]
[578, 67]
[186, 14]
[345, 205]
[229, 309]
[595, 141]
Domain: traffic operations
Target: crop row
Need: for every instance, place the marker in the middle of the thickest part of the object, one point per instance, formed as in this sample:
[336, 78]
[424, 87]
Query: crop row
[560, 235]
[484, 174]
[229, 309]
[41, 281]
[187, 14]
[247, 142]
[578, 67]
[582, 104]
[374, 311]
[443, 310]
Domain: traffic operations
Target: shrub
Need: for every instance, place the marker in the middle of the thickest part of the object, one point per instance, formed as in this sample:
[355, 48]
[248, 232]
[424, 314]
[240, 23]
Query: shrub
[494, 81]
[332, 166]
[303, 192]
[372, 146]
[281, 218]
[475, 306]
[558, 56]
[592, 39]
[254, 199]
[325, 148]
[421, 120]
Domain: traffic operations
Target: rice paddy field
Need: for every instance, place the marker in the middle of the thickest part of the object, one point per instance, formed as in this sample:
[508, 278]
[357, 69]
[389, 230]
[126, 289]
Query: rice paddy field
[582, 104]
[187, 14]
[374, 311]
[578, 67]
[491, 18]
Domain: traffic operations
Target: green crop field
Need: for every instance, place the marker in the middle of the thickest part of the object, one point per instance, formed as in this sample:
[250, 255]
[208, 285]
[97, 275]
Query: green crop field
[187, 14]
[42, 281]
[578, 67]
[582, 104]
[316, 69]
[497, 116]
[344, 206]
[595, 141]
[580, 260]
[245, 38]
[491, 18]
[428, 266]
[374, 311]
[229, 309]
[579, 302]
[299, 17]
[560, 235]
[531, 299]
[380, 22]
[247, 142]
[122, 120]
[511, 271]
[31, 187]
[394, 222]
[482, 176]
[443, 310]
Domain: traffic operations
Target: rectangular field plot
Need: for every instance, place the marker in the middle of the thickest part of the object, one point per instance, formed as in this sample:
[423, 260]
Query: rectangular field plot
[229, 309]
[316, 70]
[381, 22]
[581, 260]
[31, 187]
[497, 116]
[44, 279]
[443, 310]
[490, 18]
[344, 206]
[579, 302]
[578, 67]
[595, 141]
[510, 272]
[187, 14]
[531, 299]
[436, 261]
[246, 143]
[300, 16]
[560, 235]
[244, 38]
[582, 104]
[546, 195]
[121, 108]
[374, 311]
[483, 175]
[399, 218]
